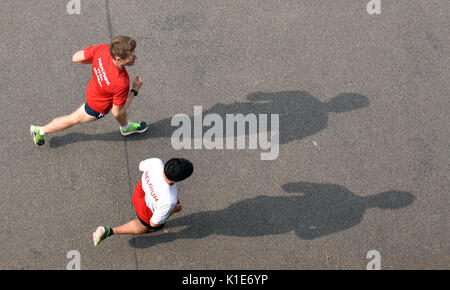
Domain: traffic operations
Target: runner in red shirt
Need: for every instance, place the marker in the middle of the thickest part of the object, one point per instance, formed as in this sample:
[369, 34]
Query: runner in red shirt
[107, 90]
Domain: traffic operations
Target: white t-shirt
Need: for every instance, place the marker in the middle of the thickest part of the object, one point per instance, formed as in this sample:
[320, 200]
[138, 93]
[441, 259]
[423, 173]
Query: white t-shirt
[160, 197]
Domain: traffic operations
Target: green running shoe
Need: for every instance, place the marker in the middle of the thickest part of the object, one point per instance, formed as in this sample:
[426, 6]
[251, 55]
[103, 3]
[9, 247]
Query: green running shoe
[100, 234]
[37, 138]
[135, 128]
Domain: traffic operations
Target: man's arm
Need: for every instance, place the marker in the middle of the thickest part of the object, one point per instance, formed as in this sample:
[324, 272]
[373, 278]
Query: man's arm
[118, 111]
[154, 225]
[78, 57]
[145, 164]
[177, 207]
[161, 213]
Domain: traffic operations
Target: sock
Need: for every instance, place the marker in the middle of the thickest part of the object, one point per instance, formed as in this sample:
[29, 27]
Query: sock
[41, 131]
[111, 232]
[125, 127]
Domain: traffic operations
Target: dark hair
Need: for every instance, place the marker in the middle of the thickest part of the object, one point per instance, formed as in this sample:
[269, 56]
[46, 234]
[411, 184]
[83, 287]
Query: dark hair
[178, 169]
[121, 46]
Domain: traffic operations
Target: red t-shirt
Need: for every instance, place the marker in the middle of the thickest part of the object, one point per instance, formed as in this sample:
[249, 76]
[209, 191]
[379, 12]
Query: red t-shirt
[142, 210]
[109, 85]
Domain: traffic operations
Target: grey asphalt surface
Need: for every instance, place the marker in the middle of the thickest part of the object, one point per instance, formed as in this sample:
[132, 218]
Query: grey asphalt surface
[363, 103]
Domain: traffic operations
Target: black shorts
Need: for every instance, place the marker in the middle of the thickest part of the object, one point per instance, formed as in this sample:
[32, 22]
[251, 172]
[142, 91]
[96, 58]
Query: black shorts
[92, 112]
[151, 229]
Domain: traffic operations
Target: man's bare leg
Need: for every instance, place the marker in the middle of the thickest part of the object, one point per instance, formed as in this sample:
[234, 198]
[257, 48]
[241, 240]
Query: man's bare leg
[62, 123]
[121, 118]
[134, 227]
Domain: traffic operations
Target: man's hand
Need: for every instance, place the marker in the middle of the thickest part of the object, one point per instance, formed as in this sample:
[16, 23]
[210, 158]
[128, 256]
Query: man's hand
[137, 83]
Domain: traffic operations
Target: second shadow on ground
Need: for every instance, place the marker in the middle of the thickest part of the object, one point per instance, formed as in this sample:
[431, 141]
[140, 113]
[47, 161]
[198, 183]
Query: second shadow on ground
[317, 210]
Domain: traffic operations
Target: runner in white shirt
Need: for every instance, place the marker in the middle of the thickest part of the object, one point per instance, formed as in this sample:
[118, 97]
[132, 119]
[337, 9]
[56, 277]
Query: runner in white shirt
[154, 198]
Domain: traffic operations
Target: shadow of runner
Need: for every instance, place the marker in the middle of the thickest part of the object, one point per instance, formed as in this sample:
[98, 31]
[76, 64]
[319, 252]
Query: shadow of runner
[320, 210]
[300, 115]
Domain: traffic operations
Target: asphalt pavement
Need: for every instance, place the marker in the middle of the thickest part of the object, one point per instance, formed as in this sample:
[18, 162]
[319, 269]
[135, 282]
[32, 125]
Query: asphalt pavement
[363, 161]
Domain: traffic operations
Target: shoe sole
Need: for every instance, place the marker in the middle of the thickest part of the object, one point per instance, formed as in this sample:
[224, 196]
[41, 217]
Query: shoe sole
[134, 132]
[34, 135]
[96, 236]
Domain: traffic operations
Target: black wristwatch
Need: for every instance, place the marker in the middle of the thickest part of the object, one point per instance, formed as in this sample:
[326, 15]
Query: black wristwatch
[134, 92]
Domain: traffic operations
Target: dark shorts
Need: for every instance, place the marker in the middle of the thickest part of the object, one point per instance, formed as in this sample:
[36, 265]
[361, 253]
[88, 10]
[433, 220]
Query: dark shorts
[92, 112]
[149, 227]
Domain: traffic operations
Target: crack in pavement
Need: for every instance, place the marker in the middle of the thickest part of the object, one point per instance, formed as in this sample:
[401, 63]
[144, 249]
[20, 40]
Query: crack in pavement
[110, 29]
